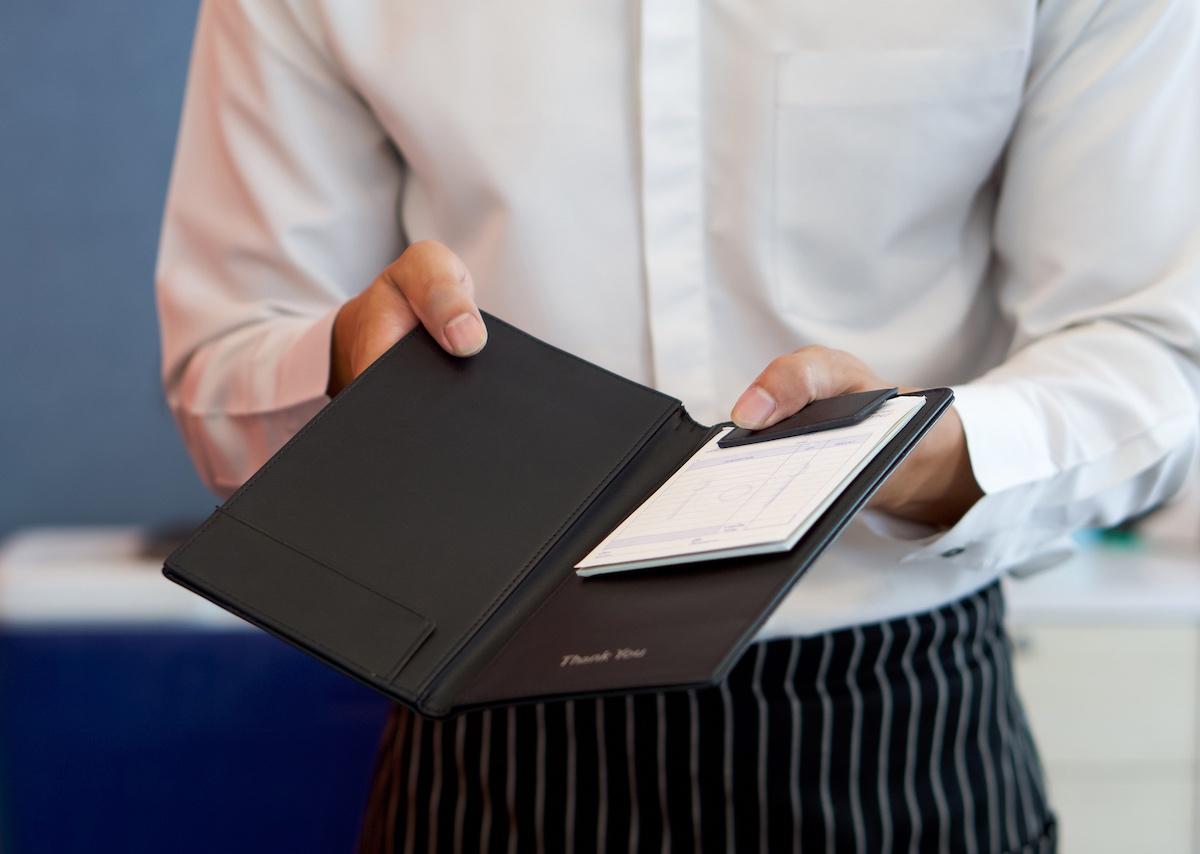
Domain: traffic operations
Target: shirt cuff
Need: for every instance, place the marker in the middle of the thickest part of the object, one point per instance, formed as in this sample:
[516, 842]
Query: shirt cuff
[1006, 435]
[969, 541]
[1007, 447]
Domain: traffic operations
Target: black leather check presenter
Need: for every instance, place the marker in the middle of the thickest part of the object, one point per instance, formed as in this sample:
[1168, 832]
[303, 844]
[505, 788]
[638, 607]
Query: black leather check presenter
[524, 525]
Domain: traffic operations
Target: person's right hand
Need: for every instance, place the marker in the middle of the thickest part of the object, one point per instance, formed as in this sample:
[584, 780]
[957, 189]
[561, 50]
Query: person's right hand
[427, 284]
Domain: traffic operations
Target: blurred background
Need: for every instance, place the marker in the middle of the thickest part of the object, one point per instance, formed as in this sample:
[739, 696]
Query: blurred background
[134, 717]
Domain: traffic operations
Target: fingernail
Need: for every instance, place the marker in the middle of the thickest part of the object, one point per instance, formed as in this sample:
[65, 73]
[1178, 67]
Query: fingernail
[466, 335]
[753, 408]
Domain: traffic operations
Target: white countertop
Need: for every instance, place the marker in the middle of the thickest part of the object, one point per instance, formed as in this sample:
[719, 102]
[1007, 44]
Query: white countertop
[101, 576]
[1135, 583]
[104, 576]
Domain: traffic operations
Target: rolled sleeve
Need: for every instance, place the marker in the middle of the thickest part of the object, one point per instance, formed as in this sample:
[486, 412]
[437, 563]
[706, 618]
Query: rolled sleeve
[272, 222]
[305, 365]
[1005, 434]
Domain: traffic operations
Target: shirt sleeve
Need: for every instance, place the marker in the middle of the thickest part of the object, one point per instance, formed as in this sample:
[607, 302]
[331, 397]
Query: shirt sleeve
[1093, 417]
[282, 205]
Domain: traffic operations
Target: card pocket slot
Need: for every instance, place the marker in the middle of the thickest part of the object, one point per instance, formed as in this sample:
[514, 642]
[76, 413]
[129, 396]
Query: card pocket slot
[283, 590]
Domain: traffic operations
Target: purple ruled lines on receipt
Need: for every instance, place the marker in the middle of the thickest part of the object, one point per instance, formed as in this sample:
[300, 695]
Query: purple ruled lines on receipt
[728, 490]
[747, 499]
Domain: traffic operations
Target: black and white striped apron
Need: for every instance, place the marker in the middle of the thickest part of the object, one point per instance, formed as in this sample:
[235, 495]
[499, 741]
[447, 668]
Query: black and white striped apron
[904, 736]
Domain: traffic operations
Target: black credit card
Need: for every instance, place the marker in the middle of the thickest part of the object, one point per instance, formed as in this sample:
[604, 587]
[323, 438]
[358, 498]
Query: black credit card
[842, 411]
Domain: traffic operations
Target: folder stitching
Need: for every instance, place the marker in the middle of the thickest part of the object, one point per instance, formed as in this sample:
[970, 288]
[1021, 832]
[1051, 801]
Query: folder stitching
[544, 547]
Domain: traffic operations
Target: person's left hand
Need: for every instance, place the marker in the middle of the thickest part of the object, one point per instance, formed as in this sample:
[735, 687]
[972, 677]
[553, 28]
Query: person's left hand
[935, 484]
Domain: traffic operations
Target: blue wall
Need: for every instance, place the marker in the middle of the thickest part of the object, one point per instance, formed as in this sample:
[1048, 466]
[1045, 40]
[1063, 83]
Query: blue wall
[141, 739]
[89, 101]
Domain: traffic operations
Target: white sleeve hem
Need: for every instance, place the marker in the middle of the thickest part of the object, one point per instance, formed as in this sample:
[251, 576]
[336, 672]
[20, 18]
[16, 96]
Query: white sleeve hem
[1006, 438]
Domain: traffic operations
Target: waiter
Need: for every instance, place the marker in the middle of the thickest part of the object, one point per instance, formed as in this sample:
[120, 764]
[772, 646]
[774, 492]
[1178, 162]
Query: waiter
[748, 205]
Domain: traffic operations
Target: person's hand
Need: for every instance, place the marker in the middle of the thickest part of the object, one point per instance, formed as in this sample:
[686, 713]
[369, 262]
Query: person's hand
[428, 284]
[935, 484]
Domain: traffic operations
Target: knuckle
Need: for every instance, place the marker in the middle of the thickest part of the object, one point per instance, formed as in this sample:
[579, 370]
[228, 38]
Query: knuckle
[434, 256]
[444, 295]
[425, 250]
[810, 381]
[786, 377]
[802, 366]
[441, 289]
[428, 274]
[779, 365]
[391, 280]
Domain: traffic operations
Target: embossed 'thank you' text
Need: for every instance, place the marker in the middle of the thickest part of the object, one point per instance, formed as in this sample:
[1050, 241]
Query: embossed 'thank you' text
[574, 659]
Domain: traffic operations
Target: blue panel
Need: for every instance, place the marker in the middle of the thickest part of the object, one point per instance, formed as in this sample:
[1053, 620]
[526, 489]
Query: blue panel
[89, 102]
[154, 741]
[146, 741]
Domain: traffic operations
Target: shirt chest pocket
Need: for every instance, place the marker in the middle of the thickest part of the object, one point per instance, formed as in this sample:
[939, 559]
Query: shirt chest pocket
[879, 156]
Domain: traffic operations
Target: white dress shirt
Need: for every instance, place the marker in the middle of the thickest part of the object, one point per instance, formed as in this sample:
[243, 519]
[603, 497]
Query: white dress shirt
[999, 196]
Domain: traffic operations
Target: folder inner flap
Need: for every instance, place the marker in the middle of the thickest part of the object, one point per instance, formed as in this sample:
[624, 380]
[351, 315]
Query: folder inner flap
[672, 626]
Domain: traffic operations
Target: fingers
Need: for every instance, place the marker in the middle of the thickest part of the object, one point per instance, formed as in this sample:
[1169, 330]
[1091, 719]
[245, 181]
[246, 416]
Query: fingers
[384, 318]
[364, 328]
[428, 284]
[438, 287]
[792, 381]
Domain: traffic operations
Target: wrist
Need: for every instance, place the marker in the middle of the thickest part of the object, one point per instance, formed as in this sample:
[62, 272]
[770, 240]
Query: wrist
[340, 363]
[936, 484]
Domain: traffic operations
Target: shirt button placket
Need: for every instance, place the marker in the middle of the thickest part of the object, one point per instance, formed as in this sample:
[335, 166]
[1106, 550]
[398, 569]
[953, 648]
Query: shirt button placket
[672, 195]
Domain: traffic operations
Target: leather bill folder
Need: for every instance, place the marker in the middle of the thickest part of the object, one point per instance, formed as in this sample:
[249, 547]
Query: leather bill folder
[420, 533]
